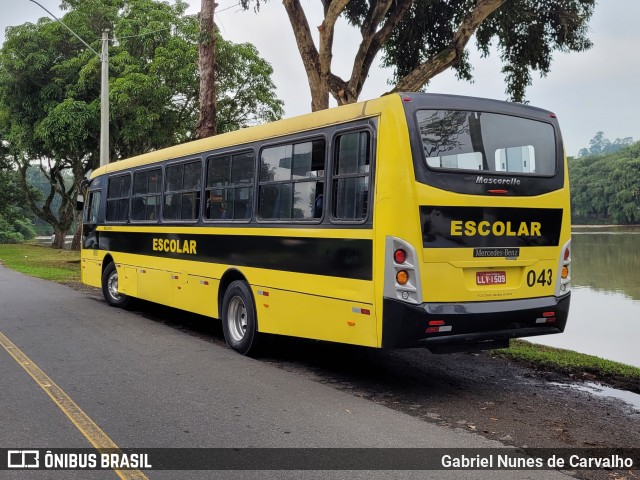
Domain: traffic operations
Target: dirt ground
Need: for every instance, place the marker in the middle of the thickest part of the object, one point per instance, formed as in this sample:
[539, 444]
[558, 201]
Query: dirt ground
[487, 395]
[518, 405]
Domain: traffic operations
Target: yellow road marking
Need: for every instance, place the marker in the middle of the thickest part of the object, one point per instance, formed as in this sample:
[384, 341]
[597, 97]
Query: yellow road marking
[81, 420]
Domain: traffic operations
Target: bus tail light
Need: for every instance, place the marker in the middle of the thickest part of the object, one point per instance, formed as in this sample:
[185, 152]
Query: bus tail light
[546, 320]
[402, 275]
[547, 317]
[438, 326]
[498, 191]
[399, 256]
[563, 285]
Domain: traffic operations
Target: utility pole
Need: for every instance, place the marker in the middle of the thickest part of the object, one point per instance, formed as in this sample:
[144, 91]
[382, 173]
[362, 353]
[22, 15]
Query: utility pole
[104, 86]
[104, 101]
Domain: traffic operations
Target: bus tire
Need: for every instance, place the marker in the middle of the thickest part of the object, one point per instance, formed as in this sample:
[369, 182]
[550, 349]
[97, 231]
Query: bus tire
[110, 288]
[239, 320]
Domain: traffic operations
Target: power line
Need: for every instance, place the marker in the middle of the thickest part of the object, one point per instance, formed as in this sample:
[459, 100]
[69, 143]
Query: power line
[143, 34]
[237, 4]
[65, 25]
[228, 8]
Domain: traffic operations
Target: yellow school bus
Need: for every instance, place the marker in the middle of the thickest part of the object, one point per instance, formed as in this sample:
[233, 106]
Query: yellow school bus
[409, 220]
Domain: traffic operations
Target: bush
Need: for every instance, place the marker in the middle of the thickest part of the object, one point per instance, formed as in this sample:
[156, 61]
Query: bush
[25, 228]
[10, 237]
[16, 232]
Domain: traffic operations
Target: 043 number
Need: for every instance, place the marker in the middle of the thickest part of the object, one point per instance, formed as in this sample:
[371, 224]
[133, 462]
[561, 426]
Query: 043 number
[543, 278]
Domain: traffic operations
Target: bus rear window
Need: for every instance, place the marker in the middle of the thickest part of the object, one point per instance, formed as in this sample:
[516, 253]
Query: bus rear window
[460, 140]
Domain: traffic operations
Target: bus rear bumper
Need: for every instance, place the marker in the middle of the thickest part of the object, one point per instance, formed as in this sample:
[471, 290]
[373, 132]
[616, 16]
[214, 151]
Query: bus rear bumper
[450, 327]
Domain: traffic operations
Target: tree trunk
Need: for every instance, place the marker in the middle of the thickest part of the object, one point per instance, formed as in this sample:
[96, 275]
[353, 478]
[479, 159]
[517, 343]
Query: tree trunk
[77, 237]
[311, 59]
[59, 236]
[207, 123]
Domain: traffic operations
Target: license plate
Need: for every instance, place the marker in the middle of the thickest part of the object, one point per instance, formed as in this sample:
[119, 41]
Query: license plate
[491, 278]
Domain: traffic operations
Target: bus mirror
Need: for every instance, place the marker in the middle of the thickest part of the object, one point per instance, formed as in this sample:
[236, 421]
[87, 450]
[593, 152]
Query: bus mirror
[80, 203]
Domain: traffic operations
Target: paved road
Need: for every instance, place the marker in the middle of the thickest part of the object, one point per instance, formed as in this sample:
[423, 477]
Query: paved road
[149, 385]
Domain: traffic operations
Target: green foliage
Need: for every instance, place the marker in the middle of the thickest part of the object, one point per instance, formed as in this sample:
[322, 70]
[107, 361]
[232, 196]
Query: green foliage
[528, 32]
[525, 32]
[425, 31]
[606, 188]
[17, 231]
[25, 228]
[50, 82]
[8, 233]
[15, 218]
[50, 92]
[245, 88]
[39, 185]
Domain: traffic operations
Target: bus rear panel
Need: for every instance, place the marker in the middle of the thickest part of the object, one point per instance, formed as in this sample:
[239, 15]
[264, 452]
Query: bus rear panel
[492, 204]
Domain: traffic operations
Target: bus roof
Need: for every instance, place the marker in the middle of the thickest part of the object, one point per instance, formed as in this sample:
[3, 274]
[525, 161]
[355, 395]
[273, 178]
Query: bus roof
[246, 135]
[331, 116]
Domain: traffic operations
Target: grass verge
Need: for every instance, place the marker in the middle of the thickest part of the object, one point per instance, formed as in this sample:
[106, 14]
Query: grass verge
[42, 262]
[577, 366]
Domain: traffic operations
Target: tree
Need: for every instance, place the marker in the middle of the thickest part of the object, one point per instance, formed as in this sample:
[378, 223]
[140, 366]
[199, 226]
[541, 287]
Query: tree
[422, 38]
[606, 188]
[50, 90]
[245, 91]
[15, 219]
[207, 66]
[599, 144]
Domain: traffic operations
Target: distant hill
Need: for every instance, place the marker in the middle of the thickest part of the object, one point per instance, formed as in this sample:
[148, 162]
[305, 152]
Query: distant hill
[600, 145]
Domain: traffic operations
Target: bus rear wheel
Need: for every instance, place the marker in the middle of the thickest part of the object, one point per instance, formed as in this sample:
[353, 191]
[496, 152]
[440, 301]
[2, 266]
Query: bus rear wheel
[239, 322]
[110, 288]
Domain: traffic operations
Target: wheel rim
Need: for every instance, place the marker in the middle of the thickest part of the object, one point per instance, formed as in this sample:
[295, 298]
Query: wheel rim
[237, 319]
[112, 286]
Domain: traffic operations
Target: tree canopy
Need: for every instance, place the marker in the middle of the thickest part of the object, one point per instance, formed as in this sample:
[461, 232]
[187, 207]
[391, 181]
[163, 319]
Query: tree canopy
[15, 219]
[421, 38]
[606, 188]
[599, 144]
[50, 90]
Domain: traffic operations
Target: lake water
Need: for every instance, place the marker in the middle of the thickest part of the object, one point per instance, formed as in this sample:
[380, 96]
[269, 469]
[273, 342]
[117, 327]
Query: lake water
[604, 318]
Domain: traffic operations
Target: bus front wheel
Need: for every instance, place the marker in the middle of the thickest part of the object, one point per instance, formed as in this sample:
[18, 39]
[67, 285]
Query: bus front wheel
[110, 288]
[239, 322]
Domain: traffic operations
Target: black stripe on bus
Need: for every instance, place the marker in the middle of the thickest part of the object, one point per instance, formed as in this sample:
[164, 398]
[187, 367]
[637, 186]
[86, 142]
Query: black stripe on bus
[466, 227]
[334, 257]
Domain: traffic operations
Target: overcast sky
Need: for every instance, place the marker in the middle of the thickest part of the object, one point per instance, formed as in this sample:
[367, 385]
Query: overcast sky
[589, 91]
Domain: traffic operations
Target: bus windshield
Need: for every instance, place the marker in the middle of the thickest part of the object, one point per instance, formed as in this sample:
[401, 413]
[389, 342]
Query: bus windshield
[494, 143]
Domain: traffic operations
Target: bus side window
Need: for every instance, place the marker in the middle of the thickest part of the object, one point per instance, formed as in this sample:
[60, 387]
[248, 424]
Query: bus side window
[229, 189]
[118, 194]
[145, 204]
[182, 192]
[292, 181]
[351, 174]
[93, 206]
